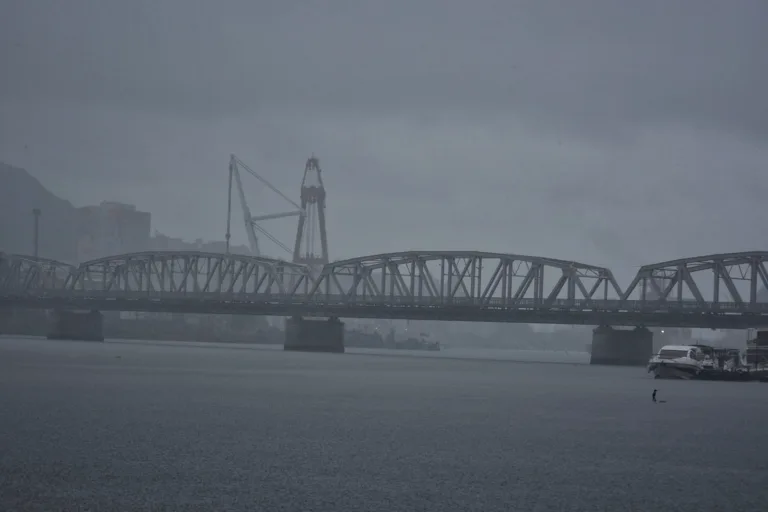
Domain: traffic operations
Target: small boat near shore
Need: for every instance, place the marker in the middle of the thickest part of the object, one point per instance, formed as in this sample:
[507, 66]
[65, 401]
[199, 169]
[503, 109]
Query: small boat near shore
[677, 362]
[702, 362]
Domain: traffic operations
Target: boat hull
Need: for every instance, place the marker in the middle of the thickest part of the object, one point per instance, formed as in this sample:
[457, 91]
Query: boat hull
[674, 371]
[671, 371]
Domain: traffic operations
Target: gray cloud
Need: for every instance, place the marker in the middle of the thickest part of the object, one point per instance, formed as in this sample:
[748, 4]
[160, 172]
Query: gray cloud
[590, 63]
[612, 132]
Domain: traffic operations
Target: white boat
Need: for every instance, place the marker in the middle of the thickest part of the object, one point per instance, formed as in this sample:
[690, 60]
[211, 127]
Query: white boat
[677, 362]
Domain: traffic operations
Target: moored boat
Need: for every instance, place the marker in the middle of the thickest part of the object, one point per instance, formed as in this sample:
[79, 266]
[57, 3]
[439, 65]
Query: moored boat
[702, 362]
[677, 362]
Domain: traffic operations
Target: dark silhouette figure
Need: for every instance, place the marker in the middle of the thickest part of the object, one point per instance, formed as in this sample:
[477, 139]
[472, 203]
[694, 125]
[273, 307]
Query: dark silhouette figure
[653, 396]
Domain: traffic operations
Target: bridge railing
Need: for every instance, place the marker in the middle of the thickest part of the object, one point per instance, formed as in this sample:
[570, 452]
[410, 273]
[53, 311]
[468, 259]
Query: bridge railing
[337, 301]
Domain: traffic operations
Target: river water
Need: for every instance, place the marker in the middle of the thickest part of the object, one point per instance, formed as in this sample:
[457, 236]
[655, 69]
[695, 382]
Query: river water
[193, 426]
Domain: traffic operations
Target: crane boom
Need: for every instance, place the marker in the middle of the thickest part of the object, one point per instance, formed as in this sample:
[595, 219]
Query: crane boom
[252, 239]
[252, 222]
[276, 216]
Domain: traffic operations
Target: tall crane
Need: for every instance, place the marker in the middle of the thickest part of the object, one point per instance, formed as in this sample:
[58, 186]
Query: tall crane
[311, 246]
[252, 222]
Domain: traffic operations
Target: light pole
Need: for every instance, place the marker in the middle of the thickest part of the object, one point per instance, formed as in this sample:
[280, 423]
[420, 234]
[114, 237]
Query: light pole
[36, 212]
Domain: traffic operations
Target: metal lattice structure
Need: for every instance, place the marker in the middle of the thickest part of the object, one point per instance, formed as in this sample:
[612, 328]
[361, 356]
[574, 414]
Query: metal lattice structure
[20, 274]
[710, 282]
[311, 229]
[718, 291]
[188, 274]
[253, 224]
[456, 277]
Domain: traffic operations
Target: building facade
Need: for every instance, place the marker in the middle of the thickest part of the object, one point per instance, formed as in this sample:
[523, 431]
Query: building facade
[111, 228]
[160, 242]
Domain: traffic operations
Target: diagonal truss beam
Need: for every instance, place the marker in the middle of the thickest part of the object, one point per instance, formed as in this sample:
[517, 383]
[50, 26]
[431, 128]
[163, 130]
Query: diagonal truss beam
[719, 283]
[454, 277]
[710, 282]
[190, 273]
[22, 275]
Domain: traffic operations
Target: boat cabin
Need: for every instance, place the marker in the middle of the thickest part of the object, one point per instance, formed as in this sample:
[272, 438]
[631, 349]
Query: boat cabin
[679, 351]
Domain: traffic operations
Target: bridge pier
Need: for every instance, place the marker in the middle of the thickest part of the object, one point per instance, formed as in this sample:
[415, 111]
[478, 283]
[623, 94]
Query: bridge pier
[621, 347]
[6, 316]
[77, 325]
[314, 335]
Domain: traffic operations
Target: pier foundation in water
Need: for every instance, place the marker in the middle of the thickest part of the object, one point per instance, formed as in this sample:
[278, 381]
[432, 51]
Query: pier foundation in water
[77, 325]
[314, 335]
[621, 347]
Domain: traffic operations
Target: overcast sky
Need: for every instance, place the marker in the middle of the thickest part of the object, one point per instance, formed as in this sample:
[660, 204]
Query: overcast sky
[611, 132]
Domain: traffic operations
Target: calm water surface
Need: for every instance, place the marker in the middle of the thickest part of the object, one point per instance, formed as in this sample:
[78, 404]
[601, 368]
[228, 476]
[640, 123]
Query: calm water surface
[189, 426]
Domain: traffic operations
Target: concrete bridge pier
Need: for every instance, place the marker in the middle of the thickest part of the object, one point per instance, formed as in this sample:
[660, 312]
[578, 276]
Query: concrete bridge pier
[314, 335]
[621, 347]
[5, 320]
[77, 325]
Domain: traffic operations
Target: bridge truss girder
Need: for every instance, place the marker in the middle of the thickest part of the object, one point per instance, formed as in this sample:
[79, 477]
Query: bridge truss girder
[463, 277]
[703, 280]
[194, 274]
[21, 274]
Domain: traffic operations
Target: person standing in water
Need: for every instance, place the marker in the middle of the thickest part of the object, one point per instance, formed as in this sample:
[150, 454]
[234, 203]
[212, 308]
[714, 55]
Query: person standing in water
[653, 396]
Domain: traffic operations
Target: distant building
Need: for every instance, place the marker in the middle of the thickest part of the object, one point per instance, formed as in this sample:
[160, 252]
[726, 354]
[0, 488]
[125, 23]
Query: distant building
[160, 242]
[111, 228]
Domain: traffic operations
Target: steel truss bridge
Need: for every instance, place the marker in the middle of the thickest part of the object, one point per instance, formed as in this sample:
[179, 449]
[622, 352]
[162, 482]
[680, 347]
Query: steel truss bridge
[714, 291]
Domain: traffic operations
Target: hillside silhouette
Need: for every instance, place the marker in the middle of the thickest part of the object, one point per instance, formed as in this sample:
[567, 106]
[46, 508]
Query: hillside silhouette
[20, 192]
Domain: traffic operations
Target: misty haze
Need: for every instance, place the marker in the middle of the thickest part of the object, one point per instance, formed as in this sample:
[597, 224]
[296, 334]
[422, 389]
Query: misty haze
[376, 256]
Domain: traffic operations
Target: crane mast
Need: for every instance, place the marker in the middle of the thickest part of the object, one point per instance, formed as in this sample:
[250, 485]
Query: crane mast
[252, 223]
